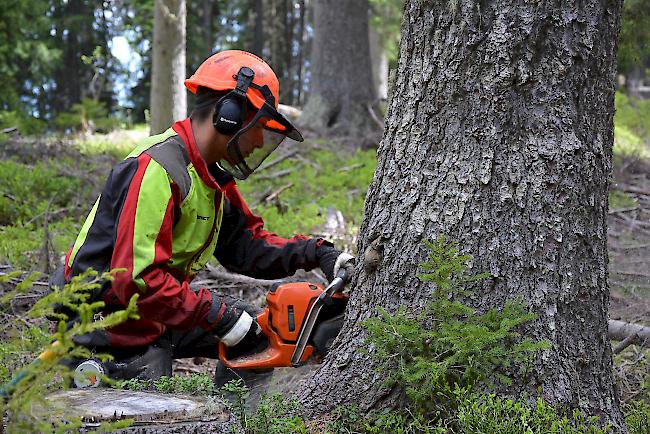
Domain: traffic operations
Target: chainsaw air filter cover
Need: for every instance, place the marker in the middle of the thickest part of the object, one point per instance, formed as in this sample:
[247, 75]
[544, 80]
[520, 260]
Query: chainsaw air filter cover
[288, 306]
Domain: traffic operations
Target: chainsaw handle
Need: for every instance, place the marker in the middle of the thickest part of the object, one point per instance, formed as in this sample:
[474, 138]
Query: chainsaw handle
[337, 283]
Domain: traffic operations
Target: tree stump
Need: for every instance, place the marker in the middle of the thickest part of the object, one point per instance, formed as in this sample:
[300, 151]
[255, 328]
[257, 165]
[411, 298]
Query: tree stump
[153, 413]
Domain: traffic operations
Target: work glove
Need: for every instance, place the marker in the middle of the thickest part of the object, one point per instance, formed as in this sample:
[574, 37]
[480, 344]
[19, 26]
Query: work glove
[332, 260]
[238, 324]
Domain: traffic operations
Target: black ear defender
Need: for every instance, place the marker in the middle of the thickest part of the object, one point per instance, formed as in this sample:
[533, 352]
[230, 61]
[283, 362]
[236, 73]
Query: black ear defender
[231, 109]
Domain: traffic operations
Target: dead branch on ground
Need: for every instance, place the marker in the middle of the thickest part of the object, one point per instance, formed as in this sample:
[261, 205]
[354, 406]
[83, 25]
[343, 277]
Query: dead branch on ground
[622, 331]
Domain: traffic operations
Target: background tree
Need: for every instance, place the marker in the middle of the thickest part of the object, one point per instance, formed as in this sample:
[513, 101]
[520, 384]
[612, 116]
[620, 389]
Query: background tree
[634, 50]
[499, 135]
[168, 95]
[341, 85]
[27, 55]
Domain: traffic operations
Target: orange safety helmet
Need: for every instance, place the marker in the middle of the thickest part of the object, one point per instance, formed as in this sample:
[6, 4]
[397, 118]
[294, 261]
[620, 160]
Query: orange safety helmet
[219, 72]
[251, 81]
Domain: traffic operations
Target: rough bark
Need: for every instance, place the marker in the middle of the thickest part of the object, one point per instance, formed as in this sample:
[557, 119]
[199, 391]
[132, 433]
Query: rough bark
[499, 135]
[341, 84]
[168, 96]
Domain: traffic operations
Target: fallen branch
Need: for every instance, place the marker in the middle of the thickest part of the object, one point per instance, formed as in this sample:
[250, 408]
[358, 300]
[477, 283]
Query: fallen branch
[628, 334]
[621, 210]
[232, 277]
[351, 167]
[374, 117]
[632, 247]
[631, 189]
[277, 160]
[278, 174]
[274, 194]
[9, 130]
[625, 343]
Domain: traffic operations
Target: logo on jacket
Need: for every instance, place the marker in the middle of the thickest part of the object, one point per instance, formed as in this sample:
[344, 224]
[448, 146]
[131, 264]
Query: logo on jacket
[201, 217]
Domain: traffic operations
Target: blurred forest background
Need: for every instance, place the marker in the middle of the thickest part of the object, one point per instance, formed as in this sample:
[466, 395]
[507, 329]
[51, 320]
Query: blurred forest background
[75, 96]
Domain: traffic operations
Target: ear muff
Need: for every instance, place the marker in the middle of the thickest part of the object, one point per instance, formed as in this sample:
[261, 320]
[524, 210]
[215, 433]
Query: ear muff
[229, 114]
[230, 111]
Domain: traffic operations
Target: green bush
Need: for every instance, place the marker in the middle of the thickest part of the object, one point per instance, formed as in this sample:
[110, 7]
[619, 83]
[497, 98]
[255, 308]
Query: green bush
[26, 124]
[25, 407]
[22, 244]
[26, 190]
[481, 414]
[87, 116]
[448, 346]
[637, 415]
[628, 144]
[620, 200]
[633, 114]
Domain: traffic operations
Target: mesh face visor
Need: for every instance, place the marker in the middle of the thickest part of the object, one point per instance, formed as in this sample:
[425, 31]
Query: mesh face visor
[254, 142]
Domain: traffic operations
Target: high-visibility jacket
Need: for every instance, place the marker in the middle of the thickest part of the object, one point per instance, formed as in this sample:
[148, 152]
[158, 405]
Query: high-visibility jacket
[162, 215]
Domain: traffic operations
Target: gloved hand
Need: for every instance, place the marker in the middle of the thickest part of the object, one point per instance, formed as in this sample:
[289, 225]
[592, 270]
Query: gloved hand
[332, 260]
[237, 323]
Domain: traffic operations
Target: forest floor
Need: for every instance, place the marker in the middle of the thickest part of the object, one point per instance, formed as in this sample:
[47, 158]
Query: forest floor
[629, 242]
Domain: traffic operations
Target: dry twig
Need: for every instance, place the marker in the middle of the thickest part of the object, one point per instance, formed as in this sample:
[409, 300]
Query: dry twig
[277, 160]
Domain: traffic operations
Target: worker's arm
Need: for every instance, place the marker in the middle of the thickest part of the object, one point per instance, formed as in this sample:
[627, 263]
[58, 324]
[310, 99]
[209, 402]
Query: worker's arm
[245, 247]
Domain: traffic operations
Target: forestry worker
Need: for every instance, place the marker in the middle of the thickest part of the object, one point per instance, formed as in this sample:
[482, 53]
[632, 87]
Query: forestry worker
[172, 204]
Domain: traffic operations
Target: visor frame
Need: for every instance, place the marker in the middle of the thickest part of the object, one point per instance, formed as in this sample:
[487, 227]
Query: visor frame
[275, 119]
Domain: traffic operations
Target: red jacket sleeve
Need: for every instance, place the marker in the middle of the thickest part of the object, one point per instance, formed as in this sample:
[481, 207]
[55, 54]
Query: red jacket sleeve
[245, 247]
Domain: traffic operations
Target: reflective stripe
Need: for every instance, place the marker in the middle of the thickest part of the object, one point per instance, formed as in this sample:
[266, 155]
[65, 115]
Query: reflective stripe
[81, 238]
[152, 202]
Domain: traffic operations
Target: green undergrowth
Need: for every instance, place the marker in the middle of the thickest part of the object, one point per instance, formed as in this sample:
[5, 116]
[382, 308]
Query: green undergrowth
[621, 200]
[26, 408]
[195, 384]
[632, 128]
[40, 199]
[320, 179]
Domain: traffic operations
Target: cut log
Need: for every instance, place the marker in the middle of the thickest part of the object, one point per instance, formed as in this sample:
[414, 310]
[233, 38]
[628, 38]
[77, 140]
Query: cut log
[631, 333]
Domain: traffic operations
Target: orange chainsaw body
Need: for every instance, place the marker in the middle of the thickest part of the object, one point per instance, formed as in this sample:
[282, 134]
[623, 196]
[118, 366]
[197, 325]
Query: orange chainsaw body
[280, 321]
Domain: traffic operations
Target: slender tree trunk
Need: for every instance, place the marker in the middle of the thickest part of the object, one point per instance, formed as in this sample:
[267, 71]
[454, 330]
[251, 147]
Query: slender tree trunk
[168, 96]
[341, 86]
[499, 134]
[255, 24]
[210, 8]
[301, 51]
[289, 24]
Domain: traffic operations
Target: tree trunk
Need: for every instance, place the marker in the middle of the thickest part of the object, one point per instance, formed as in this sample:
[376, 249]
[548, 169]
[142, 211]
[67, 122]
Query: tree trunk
[379, 62]
[341, 73]
[255, 27]
[301, 51]
[168, 96]
[499, 135]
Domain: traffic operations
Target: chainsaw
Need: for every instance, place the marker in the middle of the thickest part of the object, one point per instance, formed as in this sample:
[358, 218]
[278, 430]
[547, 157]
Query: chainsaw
[300, 323]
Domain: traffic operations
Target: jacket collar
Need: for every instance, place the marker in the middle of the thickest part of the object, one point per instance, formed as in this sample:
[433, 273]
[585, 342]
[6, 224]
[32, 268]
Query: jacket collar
[184, 130]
